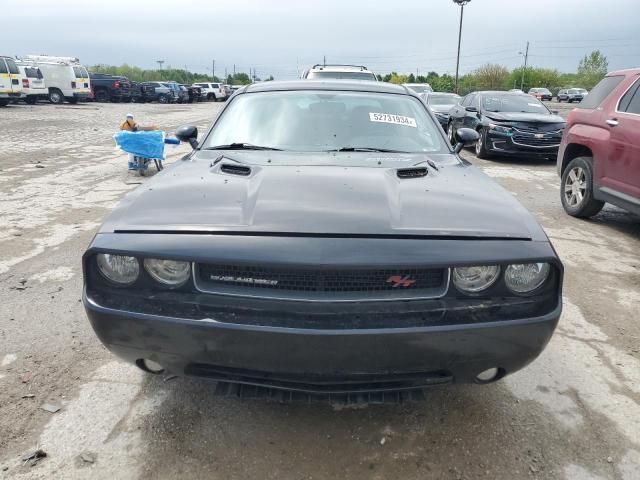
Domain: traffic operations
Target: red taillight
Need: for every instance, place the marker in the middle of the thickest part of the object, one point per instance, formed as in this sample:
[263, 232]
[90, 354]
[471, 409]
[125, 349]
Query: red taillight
[73, 84]
[116, 84]
[25, 83]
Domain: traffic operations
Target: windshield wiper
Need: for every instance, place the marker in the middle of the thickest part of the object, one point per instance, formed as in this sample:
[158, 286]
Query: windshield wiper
[365, 149]
[241, 146]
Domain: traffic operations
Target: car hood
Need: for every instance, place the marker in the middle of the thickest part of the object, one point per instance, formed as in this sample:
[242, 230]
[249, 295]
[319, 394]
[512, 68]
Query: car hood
[356, 194]
[523, 117]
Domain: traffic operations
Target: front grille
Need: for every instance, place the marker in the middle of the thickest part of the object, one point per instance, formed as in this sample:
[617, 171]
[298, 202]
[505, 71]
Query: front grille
[322, 283]
[527, 137]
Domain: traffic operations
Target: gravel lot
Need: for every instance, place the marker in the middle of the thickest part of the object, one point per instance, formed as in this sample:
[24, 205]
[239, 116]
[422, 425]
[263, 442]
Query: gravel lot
[573, 414]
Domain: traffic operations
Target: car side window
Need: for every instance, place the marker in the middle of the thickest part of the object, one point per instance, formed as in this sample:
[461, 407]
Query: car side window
[630, 101]
[465, 101]
[600, 92]
[471, 102]
[3, 66]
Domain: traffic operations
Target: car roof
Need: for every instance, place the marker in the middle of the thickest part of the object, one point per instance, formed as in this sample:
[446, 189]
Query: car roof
[328, 85]
[627, 71]
[499, 92]
[339, 68]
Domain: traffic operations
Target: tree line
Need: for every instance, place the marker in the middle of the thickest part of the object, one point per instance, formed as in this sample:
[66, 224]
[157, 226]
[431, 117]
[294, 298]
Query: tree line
[488, 77]
[491, 76]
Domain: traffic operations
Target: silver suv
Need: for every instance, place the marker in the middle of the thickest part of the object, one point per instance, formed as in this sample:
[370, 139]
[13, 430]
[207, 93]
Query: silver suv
[339, 72]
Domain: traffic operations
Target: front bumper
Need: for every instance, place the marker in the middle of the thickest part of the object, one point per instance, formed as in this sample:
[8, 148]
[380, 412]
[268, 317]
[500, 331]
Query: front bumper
[523, 145]
[323, 361]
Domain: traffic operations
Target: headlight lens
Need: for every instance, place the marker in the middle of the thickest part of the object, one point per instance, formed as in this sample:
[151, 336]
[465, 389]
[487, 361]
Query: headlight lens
[475, 279]
[500, 129]
[119, 269]
[168, 272]
[525, 278]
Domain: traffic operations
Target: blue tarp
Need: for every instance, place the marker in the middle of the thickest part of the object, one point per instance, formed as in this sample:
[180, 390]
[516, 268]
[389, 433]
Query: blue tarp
[142, 144]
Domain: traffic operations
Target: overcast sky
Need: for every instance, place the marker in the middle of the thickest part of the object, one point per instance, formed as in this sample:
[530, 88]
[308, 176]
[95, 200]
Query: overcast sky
[279, 37]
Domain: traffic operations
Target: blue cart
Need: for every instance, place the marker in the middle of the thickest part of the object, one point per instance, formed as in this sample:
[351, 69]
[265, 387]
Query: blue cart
[144, 147]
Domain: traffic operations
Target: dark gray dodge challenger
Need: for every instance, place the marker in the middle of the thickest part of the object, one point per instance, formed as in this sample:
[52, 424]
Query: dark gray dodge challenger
[324, 237]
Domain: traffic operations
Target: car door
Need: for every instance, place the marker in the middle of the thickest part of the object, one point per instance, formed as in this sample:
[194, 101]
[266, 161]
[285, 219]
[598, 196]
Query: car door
[5, 79]
[622, 167]
[470, 119]
[458, 112]
[10, 78]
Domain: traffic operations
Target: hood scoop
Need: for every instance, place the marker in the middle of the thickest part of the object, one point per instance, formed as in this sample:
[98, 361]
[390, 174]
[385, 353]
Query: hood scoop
[235, 169]
[413, 172]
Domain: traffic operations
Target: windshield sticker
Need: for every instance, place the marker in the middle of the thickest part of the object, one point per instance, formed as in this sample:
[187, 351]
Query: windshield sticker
[534, 105]
[395, 119]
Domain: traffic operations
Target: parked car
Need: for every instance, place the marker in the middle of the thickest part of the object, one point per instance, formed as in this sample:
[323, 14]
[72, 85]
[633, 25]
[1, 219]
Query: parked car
[194, 93]
[599, 158]
[440, 104]
[571, 95]
[33, 86]
[419, 87]
[65, 77]
[142, 92]
[213, 91]
[509, 124]
[163, 93]
[110, 88]
[10, 81]
[541, 93]
[339, 72]
[329, 273]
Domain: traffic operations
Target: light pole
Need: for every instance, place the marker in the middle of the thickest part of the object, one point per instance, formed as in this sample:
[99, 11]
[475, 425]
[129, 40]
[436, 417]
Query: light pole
[524, 69]
[462, 3]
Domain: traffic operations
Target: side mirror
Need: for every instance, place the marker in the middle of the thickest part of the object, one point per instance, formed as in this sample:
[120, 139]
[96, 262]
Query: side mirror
[188, 133]
[471, 109]
[465, 138]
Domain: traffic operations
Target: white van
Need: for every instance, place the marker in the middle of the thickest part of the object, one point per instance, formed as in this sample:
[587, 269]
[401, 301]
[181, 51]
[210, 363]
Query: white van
[10, 81]
[33, 86]
[65, 78]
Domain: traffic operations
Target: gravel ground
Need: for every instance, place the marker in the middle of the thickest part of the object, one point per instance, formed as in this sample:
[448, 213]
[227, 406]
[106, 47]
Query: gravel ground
[572, 414]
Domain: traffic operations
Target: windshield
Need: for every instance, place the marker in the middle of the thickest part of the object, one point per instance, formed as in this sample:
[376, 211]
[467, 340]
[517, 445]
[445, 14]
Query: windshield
[420, 88]
[513, 103]
[443, 99]
[577, 90]
[341, 75]
[316, 121]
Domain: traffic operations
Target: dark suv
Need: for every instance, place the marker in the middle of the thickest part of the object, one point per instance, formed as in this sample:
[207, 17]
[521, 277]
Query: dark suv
[599, 158]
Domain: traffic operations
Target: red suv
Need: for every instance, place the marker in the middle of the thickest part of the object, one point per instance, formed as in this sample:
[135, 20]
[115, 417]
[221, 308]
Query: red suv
[599, 157]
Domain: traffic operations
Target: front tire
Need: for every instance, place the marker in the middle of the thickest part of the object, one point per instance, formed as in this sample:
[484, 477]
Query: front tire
[163, 99]
[450, 134]
[481, 145]
[576, 190]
